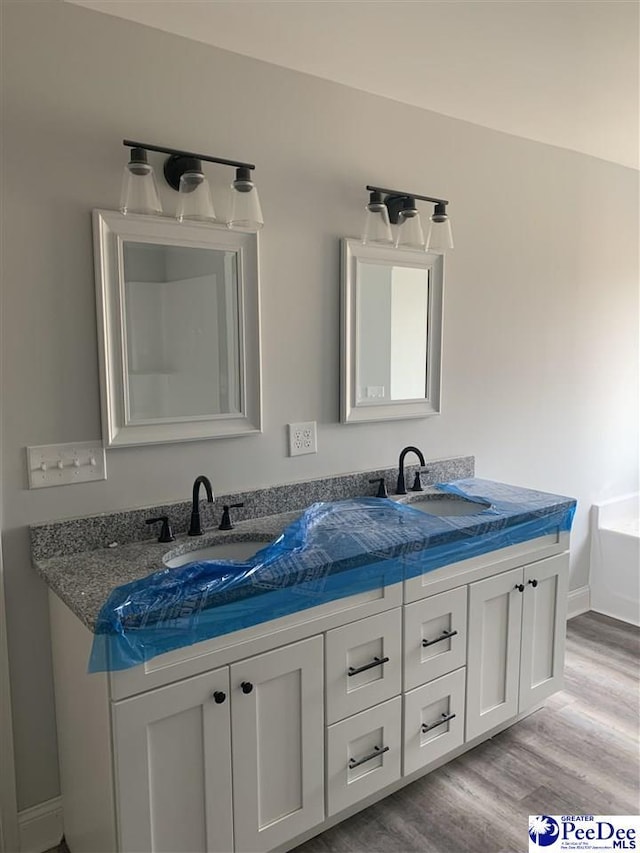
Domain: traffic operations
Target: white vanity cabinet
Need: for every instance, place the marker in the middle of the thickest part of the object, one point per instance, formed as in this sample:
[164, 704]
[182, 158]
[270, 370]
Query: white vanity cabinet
[516, 641]
[173, 757]
[254, 741]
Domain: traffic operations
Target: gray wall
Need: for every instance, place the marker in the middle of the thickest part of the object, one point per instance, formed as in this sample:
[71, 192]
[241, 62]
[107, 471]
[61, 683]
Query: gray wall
[541, 303]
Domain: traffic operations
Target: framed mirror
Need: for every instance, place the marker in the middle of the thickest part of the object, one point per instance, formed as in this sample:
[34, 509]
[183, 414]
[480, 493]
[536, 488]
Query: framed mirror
[178, 328]
[391, 337]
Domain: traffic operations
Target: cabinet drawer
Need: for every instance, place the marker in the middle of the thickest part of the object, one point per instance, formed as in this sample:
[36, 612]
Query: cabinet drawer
[433, 720]
[363, 754]
[435, 636]
[363, 664]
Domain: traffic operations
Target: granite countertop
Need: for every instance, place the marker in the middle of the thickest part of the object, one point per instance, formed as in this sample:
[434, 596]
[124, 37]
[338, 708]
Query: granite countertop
[85, 580]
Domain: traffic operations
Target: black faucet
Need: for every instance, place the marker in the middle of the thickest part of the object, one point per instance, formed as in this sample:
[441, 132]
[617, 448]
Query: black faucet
[195, 528]
[400, 487]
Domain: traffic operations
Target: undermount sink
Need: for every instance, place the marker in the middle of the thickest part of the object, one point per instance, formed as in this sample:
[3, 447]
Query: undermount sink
[447, 506]
[227, 551]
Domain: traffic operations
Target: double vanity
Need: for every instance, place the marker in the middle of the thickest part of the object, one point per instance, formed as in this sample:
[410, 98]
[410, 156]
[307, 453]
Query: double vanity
[319, 645]
[258, 738]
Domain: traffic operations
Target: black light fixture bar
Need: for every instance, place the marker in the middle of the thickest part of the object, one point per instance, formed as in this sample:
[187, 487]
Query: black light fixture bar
[401, 193]
[178, 153]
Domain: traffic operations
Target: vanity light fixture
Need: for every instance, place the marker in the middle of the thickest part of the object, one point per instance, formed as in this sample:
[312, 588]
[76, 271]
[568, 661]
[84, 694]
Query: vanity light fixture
[399, 208]
[194, 195]
[409, 234]
[377, 228]
[439, 237]
[183, 172]
[246, 212]
[139, 192]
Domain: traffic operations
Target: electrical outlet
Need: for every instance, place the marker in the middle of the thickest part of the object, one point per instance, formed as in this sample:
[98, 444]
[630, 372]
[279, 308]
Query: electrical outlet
[302, 438]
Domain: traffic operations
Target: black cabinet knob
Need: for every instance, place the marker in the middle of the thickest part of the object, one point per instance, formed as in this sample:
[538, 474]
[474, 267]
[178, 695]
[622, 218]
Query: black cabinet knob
[246, 687]
[534, 583]
[219, 697]
[520, 587]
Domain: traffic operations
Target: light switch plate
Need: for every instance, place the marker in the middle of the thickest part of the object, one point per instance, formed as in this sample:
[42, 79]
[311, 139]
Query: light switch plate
[302, 438]
[64, 464]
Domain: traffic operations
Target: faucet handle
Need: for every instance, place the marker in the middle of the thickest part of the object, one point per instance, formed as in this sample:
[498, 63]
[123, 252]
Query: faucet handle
[382, 487]
[225, 521]
[166, 533]
[417, 483]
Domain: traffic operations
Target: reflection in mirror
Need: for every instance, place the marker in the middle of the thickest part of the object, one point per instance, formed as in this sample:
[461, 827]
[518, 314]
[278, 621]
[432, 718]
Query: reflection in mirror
[392, 309]
[181, 317]
[179, 329]
[391, 332]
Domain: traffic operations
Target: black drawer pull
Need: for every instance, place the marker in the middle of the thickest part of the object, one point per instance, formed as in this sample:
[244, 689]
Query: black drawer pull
[377, 750]
[519, 587]
[219, 696]
[426, 727]
[354, 670]
[246, 687]
[444, 636]
[534, 583]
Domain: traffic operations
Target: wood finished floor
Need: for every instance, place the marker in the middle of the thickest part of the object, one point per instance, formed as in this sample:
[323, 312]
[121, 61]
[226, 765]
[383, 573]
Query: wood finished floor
[578, 755]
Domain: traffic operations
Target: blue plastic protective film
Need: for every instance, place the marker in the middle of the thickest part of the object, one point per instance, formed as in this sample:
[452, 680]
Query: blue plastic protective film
[332, 551]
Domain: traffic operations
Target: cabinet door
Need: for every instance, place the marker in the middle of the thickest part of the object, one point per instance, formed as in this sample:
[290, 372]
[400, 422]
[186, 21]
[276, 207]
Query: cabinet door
[173, 767]
[435, 636]
[363, 664]
[278, 740]
[544, 619]
[493, 657]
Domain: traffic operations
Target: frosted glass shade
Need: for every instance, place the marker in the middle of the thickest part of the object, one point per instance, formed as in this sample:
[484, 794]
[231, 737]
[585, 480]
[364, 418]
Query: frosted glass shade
[409, 234]
[139, 192]
[194, 198]
[246, 211]
[377, 228]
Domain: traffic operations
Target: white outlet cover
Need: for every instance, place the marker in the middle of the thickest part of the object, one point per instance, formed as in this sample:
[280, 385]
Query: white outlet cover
[303, 438]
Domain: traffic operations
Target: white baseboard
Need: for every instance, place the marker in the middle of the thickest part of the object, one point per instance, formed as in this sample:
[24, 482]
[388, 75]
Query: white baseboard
[579, 601]
[40, 827]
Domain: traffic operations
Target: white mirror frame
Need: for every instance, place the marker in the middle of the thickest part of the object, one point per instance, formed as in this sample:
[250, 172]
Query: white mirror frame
[352, 410]
[110, 230]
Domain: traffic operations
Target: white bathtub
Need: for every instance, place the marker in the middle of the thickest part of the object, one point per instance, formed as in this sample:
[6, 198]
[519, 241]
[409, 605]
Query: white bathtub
[615, 558]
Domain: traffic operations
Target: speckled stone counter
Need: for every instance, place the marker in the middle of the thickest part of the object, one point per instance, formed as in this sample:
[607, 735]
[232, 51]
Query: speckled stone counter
[84, 559]
[84, 581]
[76, 535]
